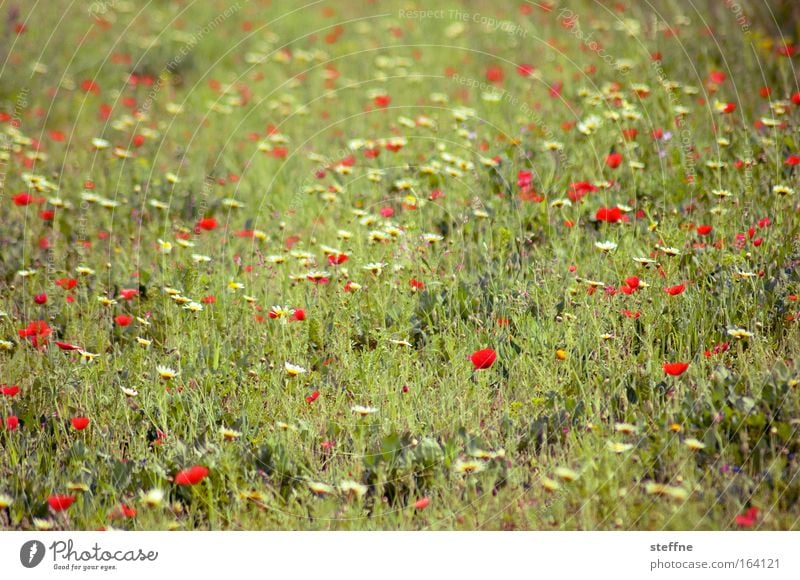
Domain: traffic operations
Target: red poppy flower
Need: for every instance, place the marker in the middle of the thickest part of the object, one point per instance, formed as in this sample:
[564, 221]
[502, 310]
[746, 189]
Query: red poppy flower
[422, 503]
[67, 345]
[59, 503]
[191, 476]
[80, 423]
[483, 359]
[416, 285]
[613, 160]
[298, 315]
[525, 70]
[123, 319]
[793, 160]
[312, 397]
[675, 290]
[629, 314]
[717, 77]
[9, 390]
[494, 74]
[675, 369]
[122, 511]
[796, 98]
[579, 189]
[90, 86]
[37, 332]
[704, 230]
[382, 101]
[67, 283]
[40, 298]
[632, 281]
[337, 259]
[23, 199]
[748, 519]
[210, 299]
[128, 293]
[609, 215]
[12, 423]
[207, 224]
[524, 179]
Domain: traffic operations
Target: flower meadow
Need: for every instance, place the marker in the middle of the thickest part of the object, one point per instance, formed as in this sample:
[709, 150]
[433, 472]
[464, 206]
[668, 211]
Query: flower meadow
[385, 265]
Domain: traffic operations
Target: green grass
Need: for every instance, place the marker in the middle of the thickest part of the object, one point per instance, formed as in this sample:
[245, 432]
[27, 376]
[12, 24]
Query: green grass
[576, 383]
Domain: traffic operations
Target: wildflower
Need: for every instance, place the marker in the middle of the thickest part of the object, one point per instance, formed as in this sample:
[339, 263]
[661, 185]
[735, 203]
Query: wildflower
[739, 333]
[674, 493]
[80, 423]
[294, 370]
[352, 489]
[422, 503]
[483, 359]
[229, 434]
[607, 246]
[566, 474]
[191, 476]
[9, 390]
[60, 503]
[166, 373]
[152, 498]
[77, 486]
[375, 268]
[675, 290]
[675, 369]
[37, 332]
[694, 444]
[207, 224]
[86, 356]
[363, 411]
[625, 428]
[619, 447]
[469, 467]
[320, 489]
[123, 319]
[550, 485]
[747, 519]
[608, 214]
[84, 271]
[280, 312]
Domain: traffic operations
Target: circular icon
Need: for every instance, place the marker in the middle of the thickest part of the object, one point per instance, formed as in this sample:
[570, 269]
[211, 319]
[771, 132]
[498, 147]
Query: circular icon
[31, 553]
